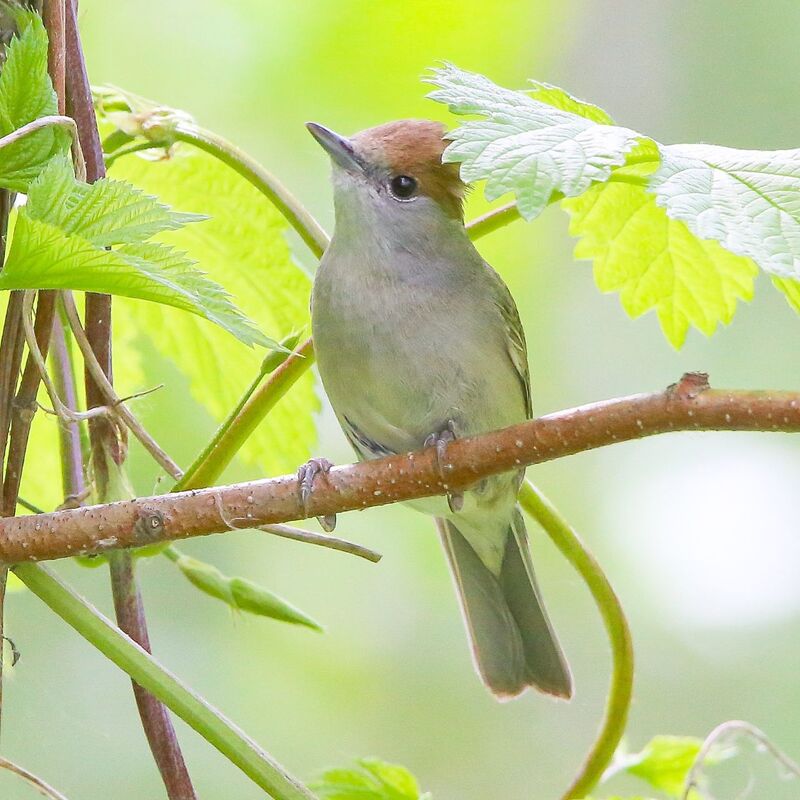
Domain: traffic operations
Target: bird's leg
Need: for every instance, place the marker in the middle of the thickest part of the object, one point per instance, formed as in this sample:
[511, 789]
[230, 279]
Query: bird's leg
[305, 477]
[440, 440]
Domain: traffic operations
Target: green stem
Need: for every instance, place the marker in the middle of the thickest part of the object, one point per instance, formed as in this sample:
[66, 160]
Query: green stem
[291, 208]
[135, 147]
[619, 635]
[492, 220]
[148, 673]
[256, 403]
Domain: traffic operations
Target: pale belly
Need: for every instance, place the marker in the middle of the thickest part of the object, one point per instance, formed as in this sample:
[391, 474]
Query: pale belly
[402, 374]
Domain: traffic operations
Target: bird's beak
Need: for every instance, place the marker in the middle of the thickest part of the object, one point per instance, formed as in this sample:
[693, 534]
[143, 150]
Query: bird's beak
[339, 148]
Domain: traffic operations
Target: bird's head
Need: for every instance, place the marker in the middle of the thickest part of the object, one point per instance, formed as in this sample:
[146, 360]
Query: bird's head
[392, 175]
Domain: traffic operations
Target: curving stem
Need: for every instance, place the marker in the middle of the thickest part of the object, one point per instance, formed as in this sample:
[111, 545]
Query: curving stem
[619, 635]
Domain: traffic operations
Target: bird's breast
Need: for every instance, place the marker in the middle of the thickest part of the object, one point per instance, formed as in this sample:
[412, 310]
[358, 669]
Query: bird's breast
[399, 357]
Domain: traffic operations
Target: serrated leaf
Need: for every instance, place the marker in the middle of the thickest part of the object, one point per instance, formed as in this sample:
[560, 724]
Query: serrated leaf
[241, 593]
[104, 213]
[748, 200]
[243, 245]
[26, 93]
[655, 262]
[526, 146]
[42, 256]
[376, 780]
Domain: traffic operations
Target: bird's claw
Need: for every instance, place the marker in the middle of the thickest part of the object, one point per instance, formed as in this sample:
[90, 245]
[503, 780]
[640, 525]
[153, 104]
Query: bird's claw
[306, 476]
[455, 500]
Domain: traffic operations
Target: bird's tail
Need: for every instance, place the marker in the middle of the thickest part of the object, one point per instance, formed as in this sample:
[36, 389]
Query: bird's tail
[513, 642]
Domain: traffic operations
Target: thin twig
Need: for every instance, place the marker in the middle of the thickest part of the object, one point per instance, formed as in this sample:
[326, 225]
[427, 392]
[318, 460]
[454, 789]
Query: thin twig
[109, 395]
[723, 731]
[135, 147]
[60, 410]
[299, 535]
[323, 540]
[44, 788]
[492, 220]
[69, 433]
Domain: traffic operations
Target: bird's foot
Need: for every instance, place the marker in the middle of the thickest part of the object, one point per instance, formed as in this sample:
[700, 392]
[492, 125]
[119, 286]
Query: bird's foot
[306, 476]
[440, 440]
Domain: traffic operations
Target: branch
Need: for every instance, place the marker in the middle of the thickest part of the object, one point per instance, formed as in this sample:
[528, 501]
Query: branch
[686, 406]
[69, 434]
[41, 786]
[157, 725]
[492, 220]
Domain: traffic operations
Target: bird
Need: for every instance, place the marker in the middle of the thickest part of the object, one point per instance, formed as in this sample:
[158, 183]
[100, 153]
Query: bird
[418, 342]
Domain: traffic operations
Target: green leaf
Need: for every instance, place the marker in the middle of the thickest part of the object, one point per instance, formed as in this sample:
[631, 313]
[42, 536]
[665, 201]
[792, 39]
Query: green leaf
[655, 262]
[748, 200]
[526, 146]
[243, 245]
[376, 780]
[26, 94]
[558, 98]
[397, 781]
[104, 213]
[665, 762]
[241, 594]
[42, 256]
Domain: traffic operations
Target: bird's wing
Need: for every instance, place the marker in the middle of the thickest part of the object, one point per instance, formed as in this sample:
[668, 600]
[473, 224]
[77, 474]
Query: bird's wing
[515, 336]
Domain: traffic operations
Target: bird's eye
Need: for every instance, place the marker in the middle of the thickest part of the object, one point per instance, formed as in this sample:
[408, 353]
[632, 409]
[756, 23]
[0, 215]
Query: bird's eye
[403, 187]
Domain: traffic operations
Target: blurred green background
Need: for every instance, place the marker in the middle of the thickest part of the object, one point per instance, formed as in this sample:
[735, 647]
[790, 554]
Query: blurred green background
[700, 534]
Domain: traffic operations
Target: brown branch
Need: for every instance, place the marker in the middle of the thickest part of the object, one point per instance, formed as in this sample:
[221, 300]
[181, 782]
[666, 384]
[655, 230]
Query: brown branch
[155, 718]
[54, 22]
[98, 306]
[686, 406]
[25, 401]
[68, 432]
